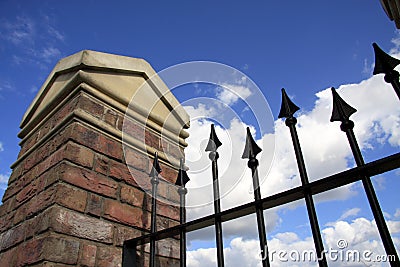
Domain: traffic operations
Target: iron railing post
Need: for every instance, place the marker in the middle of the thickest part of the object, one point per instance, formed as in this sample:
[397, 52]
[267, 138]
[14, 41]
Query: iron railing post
[385, 64]
[342, 112]
[212, 147]
[250, 152]
[155, 170]
[288, 108]
[181, 182]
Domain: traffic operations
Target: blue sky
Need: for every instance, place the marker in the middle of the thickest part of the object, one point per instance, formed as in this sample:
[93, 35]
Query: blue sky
[304, 46]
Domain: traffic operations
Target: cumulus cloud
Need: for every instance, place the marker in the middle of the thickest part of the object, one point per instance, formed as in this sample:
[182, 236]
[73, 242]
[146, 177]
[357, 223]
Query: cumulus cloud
[341, 239]
[325, 148]
[231, 93]
[1, 147]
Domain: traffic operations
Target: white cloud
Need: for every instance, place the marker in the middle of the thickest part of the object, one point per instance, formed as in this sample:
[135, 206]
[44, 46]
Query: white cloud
[32, 41]
[325, 148]
[350, 213]
[397, 214]
[358, 235]
[1, 147]
[3, 181]
[231, 93]
[49, 53]
[20, 31]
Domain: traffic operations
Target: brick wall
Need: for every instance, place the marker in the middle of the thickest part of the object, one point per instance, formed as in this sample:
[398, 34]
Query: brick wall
[71, 198]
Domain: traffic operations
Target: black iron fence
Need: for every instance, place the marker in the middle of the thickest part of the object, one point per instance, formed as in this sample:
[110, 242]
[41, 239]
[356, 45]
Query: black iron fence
[362, 172]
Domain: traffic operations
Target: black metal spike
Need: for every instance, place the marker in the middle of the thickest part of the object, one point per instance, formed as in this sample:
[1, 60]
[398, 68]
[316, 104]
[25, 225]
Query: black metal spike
[155, 169]
[213, 142]
[288, 108]
[341, 110]
[383, 62]
[182, 178]
[251, 149]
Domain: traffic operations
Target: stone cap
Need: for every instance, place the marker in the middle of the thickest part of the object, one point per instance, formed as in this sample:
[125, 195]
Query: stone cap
[119, 77]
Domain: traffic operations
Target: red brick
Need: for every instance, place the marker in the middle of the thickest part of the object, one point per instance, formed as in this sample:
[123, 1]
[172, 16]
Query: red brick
[85, 136]
[172, 194]
[132, 195]
[9, 258]
[167, 210]
[6, 221]
[122, 234]
[152, 139]
[16, 173]
[29, 191]
[40, 223]
[79, 154]
[110, 117]
[110, 147]
[122, 213]
[95, 205]
[70, 197]
[109, 257]
[83, 226]
[138, 178]
[168, 248]
[162, 189]
[65, 110]
[132, 128]
[51, 248]
[12, 236]
[35, 205]
[119, 171]
[88, 255]
[168, 262]
[136, 159]
[101, 164]
[28, 143]
[19, 184]
[168, 173]
[50, 161]
[89, 180]
[91, 106]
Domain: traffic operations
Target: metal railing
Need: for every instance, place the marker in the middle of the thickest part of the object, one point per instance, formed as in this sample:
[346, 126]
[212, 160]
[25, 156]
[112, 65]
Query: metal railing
[362, 172]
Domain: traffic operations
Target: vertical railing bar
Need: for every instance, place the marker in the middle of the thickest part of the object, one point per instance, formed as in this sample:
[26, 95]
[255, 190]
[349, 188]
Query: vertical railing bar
[181, 181]
[341, 112]
[288, 108]
[155, 170]
[250, 152]
[212, 147]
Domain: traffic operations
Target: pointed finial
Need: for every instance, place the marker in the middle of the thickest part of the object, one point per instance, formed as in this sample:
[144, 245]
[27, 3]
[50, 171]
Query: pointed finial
[213, 142]
[288, 108]
[251, 149]
[182, 178]
[155, 169]
[341, 110]
[383, 62]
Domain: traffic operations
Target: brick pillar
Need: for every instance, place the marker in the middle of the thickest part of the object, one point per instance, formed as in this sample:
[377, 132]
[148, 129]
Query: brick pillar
[77, 191]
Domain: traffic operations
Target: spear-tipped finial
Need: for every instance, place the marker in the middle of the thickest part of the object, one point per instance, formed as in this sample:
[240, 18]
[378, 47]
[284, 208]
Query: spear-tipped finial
[251, 149]
[182, 178]
[288, 108]
[383, 62]
[341, 110]
[213, 142]
[155, 169]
